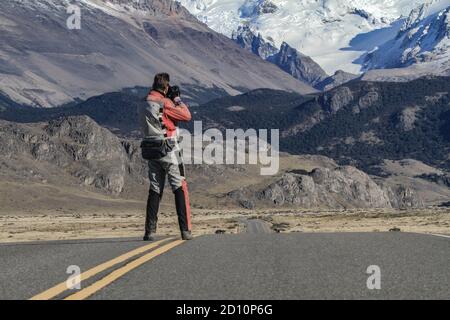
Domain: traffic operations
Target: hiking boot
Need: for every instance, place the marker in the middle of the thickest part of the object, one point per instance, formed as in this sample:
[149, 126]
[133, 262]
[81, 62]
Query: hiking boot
[151, 220]
[186, 235]
[149, 237]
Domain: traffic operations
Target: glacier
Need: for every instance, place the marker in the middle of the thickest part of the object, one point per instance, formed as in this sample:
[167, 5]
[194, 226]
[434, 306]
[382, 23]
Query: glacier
[337, 34]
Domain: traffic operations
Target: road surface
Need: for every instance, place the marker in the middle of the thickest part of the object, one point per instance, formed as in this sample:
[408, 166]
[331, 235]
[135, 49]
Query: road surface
[244, 266]
[257, 226]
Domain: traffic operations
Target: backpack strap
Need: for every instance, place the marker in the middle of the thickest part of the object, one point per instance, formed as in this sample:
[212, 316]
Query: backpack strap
[160, 118]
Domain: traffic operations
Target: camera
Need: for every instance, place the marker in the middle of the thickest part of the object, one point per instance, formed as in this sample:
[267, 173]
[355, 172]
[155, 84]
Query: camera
[173, 92]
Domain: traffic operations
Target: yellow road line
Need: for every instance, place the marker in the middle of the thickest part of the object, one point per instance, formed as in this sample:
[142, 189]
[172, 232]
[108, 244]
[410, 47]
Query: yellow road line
[440, 235]
[60, 288]
[113, 276]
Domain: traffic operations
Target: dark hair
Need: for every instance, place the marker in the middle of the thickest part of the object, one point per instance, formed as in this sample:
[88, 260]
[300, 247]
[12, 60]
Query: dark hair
[173, 92]
[161, 82]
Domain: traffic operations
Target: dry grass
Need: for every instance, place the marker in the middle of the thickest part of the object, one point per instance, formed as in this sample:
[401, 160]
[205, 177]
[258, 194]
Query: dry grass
[432, 220]
[54, 226]
[17, 228]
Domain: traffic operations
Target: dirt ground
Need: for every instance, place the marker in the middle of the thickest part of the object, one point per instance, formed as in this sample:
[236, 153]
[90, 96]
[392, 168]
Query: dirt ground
[431, 220]
[64, 226]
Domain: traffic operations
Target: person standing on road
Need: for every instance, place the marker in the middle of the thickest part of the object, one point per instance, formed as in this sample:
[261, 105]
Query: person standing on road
[158, 118]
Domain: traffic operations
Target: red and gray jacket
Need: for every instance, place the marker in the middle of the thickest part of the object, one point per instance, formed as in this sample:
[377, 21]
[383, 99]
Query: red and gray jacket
[159, 116]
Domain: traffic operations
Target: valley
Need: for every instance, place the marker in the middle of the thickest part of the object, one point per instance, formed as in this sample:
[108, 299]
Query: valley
[55, 189]
[364, 137]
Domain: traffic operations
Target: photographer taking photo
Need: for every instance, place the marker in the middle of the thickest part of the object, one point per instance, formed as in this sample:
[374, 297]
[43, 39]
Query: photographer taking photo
[158, 119]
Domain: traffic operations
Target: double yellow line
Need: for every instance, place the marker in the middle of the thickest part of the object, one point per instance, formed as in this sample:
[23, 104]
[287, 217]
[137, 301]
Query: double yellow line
[116, 274]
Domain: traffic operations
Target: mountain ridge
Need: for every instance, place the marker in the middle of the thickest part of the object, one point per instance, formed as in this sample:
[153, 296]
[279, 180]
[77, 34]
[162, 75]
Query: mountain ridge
[116, 47]
[423, 39]
[288, 59]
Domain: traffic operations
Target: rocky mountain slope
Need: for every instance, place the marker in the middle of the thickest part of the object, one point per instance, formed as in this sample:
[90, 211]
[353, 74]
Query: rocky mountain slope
[298, 65]
[121, 44]
[338, 78]
[363, 122]
[288, 59]
[117, 110]
[359, 123]
[423, 38]
[77, 152]
[254, 43]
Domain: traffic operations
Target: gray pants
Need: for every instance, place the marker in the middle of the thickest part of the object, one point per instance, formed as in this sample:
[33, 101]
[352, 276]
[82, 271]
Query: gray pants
[171, 166]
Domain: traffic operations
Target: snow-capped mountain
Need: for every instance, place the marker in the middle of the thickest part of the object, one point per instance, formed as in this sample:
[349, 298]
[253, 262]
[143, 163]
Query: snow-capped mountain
[424, 38]
[254, 43]
[288, 59]
[334, 33]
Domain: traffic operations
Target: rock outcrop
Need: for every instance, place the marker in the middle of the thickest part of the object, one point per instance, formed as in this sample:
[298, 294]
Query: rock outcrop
[402, 197]
[340, 188]
[298, 65]
[254, 43]
[156, 8]
[77, 145]
[334, 101]
[340, 77]
[251, 9]
[287, 58]
[407, 118]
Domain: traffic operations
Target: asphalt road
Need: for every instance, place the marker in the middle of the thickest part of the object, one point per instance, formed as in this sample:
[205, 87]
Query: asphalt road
[244, 266]
[257, 226]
